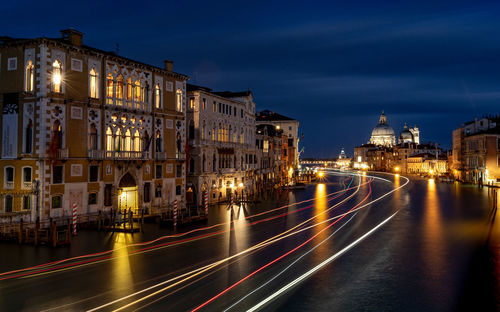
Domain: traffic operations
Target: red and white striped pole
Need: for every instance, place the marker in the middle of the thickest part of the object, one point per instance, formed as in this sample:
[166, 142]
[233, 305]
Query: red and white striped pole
[74, 218]
[175, 214]
[205, 201]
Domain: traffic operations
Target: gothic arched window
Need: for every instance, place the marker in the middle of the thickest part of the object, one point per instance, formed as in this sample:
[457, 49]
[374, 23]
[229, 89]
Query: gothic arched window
[94, 84]
[29, 77]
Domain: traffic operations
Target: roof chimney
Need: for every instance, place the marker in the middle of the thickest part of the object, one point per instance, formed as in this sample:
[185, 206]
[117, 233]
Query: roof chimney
[72, 36]
[169, 65]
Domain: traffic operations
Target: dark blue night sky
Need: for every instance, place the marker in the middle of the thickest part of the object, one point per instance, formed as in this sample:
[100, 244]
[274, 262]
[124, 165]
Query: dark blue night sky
[334, 66]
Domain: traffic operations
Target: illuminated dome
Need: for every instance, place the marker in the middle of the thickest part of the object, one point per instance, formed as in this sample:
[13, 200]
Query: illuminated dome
[383, 134]
[406, 136]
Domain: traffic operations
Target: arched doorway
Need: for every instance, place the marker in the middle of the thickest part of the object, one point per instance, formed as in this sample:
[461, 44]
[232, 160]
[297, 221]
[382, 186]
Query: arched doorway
[127, 193]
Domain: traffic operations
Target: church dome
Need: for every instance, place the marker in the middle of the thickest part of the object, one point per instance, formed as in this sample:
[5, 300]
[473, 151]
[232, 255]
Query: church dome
[383, 134]
[406, 136]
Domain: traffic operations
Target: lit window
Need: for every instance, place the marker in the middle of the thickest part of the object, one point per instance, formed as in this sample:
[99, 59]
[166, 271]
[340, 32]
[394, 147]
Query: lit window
[129, 89]
[56, 76]
[137, 141]
[179, 100]
[93, 137]
[204, 104]
[29, 77]
[157, 96]
[137, 91]
[109, 89]
[109, 139]
[119, 90]
[128, 141]
[94, 83]
[191, 103]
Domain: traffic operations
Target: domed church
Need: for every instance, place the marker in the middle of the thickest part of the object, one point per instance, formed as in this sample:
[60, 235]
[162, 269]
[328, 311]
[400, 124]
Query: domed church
[383, 134]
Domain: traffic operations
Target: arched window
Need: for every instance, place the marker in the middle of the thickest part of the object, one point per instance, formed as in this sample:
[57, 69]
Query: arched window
[137, 141]
[119, 90]
[145, 93]
[129, 89]
[146, 141]
[118, 140]
[94, 84]
[178, 100]
[9, 201]
[109, 139]
[204, 163]
[57, 134]
[157, 96]
[28, 137]
[230, 138]
[29, 77]
[93, 137]
[56, 76]
[219, 133]
[158, 142]
[109, 89]
[203, 130]
[137, 91]
[128, 141]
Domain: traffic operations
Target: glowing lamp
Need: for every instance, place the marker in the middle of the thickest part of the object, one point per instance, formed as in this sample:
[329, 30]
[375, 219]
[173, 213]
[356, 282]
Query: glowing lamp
[321, 174]
[56, 78]
[240, 185]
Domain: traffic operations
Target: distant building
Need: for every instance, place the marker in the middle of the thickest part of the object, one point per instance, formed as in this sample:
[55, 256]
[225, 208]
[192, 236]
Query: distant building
[383, 134]
[290, 128]
[426, 163]
[476, 151]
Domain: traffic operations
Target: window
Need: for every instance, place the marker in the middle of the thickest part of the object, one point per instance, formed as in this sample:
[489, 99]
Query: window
[220, 107]
[12, 63]
[27, 174]
[28, 137]
[57, 134]
[242, 113]
[26, 202]
[57, 174]
[128, 140]
[93, 137]
[157, 96]
[137, 141]
[178, 171]
[191, 165]
[9, 201]
[147, 192]
[119, 90]
[214, 107]
[179, 100]
[191, 103]
[94, 84]
[9, 177]
[178, 190]
[158, 170]
[158, 143]
[137, 91]
[108, 197]
[29, 77]
[191, 130]
[92, 198]
[129, 89]
[109, 89]
[204, 104]
[56, 201]
[109, 139]
[93, 173]
[158, 191]
[56, 76]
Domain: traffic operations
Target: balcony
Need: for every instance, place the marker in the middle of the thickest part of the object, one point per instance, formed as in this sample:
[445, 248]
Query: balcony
[9, 185]
[127, 155]
[95, 154]
[226, 170]
[160, 155]
[27, 185]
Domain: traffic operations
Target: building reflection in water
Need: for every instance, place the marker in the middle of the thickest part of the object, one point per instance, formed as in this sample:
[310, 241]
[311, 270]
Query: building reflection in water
[121, 277]
[433, 248]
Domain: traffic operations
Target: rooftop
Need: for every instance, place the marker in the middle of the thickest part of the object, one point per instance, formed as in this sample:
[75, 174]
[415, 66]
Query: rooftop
[267, 115]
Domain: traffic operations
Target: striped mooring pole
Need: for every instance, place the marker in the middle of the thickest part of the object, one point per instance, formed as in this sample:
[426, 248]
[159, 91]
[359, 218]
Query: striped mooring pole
[175, 214]
[205, 202]
[74, 217]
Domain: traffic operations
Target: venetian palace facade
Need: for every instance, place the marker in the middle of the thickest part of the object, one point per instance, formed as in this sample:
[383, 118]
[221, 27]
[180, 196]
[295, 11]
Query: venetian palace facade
[221, 133]
[88, 127]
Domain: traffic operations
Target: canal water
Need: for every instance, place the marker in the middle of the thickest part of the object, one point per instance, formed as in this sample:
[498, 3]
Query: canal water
[439, 253]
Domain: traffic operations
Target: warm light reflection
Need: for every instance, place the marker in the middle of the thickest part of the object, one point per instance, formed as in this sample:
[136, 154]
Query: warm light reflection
[121, 277]
[320, 205]
[433, 245]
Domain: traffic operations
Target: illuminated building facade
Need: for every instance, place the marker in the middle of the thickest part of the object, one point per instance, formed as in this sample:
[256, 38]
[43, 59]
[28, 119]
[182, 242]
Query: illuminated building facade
[476, 151]
[222, 154]
[87, 127]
